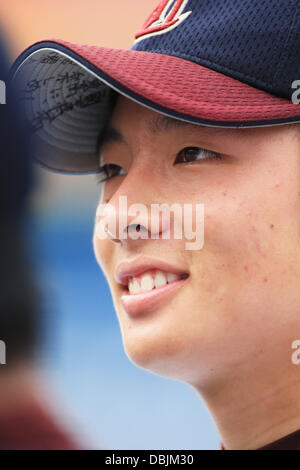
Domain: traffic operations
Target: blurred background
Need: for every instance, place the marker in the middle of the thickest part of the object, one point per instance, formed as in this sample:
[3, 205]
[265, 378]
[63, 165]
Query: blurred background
[90, 383]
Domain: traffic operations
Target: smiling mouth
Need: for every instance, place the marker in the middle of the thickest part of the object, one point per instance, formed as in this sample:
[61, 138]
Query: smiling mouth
[150, 280]
[145, 291]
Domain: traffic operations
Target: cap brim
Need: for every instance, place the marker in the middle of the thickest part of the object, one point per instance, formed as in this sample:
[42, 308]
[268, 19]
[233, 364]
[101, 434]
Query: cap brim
[67, 91]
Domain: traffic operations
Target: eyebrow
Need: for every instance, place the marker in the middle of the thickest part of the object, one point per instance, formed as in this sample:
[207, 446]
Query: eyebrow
[155, 126]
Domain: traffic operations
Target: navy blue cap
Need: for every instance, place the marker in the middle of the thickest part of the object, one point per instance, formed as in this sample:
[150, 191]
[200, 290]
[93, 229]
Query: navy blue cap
[254, 41]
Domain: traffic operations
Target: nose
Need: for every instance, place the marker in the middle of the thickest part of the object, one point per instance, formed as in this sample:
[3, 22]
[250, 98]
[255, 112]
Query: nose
[126, 220]
[124, 223]
[131, 230]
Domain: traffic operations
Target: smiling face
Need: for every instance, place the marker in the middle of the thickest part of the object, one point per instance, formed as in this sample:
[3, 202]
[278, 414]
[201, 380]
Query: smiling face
[241, 301]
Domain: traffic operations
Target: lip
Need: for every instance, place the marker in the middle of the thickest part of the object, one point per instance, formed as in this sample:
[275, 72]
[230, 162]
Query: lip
[127, 269]
[134, 304]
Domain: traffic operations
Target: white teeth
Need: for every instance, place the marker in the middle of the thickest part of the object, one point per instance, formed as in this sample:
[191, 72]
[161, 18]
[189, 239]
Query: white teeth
[172, 277]
[133, 286]
[147, 283]
[160, 279]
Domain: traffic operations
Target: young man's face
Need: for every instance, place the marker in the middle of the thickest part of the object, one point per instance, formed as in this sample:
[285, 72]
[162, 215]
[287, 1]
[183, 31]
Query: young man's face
[240, 305]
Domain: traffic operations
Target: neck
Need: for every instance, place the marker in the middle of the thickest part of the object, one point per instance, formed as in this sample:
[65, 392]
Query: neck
[255, 405]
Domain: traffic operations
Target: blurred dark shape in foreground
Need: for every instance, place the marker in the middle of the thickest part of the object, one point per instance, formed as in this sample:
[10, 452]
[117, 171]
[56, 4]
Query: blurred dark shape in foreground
[26, 422]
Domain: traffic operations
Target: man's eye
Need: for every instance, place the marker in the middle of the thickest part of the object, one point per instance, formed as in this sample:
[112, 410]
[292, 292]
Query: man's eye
[194, 154]
[108, 171]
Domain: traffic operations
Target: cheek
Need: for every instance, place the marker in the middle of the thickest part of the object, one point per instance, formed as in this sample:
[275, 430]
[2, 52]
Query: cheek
[240, 242]
[248, 265]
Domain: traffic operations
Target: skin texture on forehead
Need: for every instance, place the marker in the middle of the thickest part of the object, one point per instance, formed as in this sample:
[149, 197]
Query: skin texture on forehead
[228, 331]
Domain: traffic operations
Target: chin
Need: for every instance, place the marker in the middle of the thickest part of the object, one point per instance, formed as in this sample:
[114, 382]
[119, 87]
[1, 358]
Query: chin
[161, 353]
[153, 361]
[167, 342]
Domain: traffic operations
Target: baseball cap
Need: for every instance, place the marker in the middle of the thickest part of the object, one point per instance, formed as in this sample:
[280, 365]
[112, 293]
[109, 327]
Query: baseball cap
[223, 63]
